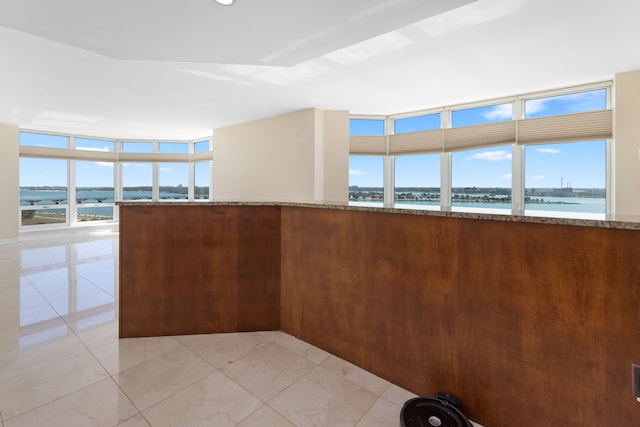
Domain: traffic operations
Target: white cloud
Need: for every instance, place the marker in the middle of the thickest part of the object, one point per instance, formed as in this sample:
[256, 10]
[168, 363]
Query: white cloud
[540, 177]
[499, 112]
[507, 176]
[548, 150]
[570, 103]
[536, 105]
[356, 172]
[101, 149]
[105, 164]
[492, 156]
[165, 169]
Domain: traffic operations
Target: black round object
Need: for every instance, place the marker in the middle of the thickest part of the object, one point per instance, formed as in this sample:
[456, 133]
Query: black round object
[432, 412]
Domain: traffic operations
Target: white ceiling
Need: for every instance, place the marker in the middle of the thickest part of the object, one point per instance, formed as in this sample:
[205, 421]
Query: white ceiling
[176, 69]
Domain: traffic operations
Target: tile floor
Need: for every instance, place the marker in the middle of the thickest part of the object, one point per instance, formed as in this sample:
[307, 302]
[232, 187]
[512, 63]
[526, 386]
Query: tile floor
[62, 364]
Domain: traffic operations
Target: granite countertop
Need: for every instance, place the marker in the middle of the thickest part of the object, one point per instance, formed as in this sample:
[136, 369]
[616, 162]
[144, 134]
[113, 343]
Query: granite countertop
[623, 222]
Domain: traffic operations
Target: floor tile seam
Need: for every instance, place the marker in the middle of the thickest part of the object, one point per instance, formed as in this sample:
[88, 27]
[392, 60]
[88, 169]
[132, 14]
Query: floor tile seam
[302, 355]
[124, 393]
[216, 370]
[132, 417]
[161, 401]
[355, 382]
[59, 398]
[294, 382]
[365, 413]
[243, 388]
[193, 352]
[275, 409]
[253, 412]
[41, 366]
[91, 350]
[95, 284]
[61, 316]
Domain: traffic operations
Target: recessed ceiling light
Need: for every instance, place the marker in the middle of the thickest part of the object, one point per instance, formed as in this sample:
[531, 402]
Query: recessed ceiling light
[226, 2]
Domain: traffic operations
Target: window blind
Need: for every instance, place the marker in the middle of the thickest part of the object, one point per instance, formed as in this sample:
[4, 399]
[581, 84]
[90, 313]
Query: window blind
[485, 135]
[588, 126]
[368, 145]
[67, 154]
[428, 141]
[152, 157]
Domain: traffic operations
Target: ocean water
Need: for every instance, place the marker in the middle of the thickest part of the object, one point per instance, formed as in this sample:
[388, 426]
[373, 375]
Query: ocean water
[552, 204]
[35, 198]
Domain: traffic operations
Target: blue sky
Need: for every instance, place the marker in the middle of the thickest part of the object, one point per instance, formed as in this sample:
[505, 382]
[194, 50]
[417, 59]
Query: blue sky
[582, 164]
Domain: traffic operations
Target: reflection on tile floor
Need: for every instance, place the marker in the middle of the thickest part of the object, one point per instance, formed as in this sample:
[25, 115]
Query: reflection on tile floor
[62, 364]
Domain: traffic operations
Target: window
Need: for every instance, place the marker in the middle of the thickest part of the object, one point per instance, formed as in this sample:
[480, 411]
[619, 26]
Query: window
[137, 147]
[565, 179]
[481, 179]
[417, 123]
[366, 182]
[43, 191]
[94, 190]
[481, 115]
[417, 180]
[174, 147]
[137, 181]
[94, 145]
[579, 102]
[173, 180]
[366, 127]
[202, 172]
[202, 146]
[44, 140]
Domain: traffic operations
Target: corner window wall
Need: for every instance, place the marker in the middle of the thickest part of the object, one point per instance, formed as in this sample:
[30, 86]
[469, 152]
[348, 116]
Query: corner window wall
[137, 181]
[44, 197]
[67, 180]
[481, 180]
[417, 181]
[202, 178]
[95, 191]
[416, 176]
[567, 178]
[544, 154]
[366, 165]
[173, 181]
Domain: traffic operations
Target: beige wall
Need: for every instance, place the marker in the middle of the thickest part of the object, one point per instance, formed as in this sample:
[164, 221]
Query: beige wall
[626, 152]
[9, 164]
[296, 157]
[333, 163]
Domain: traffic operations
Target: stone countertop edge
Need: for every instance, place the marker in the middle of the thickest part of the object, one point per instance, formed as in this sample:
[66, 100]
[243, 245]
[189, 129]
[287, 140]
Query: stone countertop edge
[627, 222]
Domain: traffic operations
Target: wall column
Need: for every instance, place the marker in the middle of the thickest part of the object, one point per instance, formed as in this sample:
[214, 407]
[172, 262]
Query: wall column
[9, 163]
[626, 151]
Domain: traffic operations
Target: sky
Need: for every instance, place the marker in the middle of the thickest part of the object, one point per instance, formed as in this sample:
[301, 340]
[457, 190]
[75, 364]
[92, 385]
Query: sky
[579, 164]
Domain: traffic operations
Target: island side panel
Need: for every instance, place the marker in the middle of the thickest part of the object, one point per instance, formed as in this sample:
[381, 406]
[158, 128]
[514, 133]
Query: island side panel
[527, 323]
[186, 269]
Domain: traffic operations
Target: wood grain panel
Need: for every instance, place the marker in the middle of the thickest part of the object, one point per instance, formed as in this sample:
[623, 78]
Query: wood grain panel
[529, 324]
[198, 269]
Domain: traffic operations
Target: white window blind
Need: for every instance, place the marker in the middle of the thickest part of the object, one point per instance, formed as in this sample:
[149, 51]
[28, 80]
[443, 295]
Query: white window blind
[428, 141]
[66, 154]
[588, 126]
[484, 135]
[368, 145]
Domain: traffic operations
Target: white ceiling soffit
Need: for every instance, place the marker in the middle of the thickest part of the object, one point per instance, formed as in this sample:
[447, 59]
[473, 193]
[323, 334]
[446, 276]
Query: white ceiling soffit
[251, 32]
